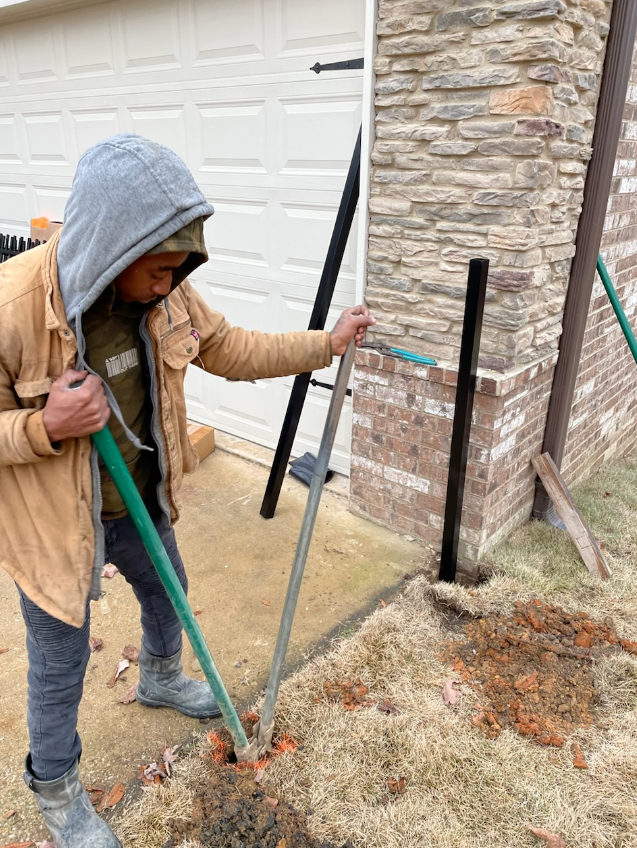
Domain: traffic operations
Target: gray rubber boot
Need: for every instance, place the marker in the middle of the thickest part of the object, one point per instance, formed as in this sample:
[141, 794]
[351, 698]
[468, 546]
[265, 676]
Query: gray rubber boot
[68, 812]
[162, 683]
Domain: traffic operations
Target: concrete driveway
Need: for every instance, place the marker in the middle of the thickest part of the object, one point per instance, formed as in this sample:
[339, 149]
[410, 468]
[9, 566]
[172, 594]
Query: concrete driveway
[238, 566]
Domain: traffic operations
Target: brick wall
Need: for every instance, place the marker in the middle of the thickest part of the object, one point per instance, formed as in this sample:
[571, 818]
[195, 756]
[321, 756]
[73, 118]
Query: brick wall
[403, 415]
[605, 404]
[484, 119]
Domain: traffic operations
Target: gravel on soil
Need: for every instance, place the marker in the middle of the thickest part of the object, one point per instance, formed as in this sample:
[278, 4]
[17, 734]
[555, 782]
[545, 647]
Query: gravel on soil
[533, 670]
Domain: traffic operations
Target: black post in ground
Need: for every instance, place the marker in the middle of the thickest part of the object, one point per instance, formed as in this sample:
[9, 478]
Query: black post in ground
[467, 369]
[340, 234]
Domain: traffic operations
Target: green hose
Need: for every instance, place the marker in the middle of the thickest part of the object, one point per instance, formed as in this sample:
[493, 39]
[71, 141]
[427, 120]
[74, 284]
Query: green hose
[615, 302]
[108, 450]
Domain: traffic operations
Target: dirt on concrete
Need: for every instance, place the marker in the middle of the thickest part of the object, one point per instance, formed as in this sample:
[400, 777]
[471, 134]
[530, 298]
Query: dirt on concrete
[238, 566]
[533, 670]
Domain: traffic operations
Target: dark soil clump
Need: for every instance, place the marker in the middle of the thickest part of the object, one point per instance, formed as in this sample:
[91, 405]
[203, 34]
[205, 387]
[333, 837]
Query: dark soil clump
[231, 811]
[533, 670]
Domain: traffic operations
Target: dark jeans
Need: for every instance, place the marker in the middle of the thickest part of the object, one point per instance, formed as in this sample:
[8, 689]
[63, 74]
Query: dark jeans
[59, 653]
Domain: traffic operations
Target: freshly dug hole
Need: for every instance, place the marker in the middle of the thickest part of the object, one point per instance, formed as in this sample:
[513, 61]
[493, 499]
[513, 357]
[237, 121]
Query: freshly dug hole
[230, 810]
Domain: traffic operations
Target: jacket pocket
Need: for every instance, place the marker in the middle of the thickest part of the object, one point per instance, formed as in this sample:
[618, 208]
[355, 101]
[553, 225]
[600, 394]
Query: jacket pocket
[33, 393]
[179, 348]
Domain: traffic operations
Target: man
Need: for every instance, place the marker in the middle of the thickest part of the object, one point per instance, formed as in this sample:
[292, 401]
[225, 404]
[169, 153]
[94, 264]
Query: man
[96, 326]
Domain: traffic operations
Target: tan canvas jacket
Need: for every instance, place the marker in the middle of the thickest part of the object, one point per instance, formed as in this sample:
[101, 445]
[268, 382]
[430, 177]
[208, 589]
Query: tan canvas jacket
[47, 534]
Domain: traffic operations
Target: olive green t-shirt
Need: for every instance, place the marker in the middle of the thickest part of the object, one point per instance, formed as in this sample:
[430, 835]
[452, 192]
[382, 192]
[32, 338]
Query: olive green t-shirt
[114, 350]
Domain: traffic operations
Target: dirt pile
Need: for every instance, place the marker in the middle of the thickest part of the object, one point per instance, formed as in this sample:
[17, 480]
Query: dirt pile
[231, 810]
[533, 670]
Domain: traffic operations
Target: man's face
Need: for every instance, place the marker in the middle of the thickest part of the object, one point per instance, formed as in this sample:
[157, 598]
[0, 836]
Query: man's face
[149, 277]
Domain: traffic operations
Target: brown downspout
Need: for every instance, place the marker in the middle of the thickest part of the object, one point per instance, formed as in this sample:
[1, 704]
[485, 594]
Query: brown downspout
[610, 110]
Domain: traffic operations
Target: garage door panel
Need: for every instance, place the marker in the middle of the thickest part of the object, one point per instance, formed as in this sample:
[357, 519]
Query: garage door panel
[228, 32]
[4, 64]
[52, 199]
[46, 138]
[307, 237]
[92, 125]
[151, 37]
[233, 137]
[308, 27]
[13, 203]
[246, 306]
[166, 126]
[34, 52]
[237, 232]
[245, 409]
[319, 133]
[9, 143]
[224, 83]
[88, 46]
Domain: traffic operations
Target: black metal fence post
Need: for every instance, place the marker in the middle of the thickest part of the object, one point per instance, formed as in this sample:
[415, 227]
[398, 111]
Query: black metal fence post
[467, 369]
[12, 245]
[340, 234]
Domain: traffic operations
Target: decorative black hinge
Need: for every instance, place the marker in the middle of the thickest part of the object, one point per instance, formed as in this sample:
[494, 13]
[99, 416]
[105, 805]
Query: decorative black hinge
[329, 386]
[347, 65]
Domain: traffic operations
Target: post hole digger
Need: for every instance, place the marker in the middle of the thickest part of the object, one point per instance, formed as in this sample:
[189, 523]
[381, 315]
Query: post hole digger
[260, 743]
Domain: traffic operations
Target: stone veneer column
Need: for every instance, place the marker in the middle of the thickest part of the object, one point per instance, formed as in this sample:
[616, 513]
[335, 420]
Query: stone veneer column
[484, 118]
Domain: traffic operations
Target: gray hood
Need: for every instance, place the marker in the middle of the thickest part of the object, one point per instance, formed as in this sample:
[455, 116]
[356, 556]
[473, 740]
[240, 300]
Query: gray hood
[129, 194]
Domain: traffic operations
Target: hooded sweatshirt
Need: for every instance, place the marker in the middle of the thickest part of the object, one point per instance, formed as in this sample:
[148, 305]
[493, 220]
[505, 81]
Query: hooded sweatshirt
[145, 201]
[51, 538]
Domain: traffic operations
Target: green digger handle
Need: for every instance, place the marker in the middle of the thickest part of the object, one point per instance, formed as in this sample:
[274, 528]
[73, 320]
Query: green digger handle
[108, 450]
[616, 304]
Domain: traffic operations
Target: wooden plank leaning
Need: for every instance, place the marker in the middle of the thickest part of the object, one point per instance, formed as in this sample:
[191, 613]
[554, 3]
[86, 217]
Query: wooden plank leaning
[565, 507]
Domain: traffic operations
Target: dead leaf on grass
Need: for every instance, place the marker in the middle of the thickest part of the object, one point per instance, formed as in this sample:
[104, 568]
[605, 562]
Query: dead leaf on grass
[578, 758]
[9, 815]
[450, 695]
[131, 653]
[96, 643]
[271, 802]
[110, 571]
[3, 650]
[397, 786]
[169, 755]
[29, 844]
[352, 695]
[130, 696]
[265, 602]
[113, 797]
[388, 708]
[382, 603]
[122, 665]
[552, 841]
[95, 794]
[628, 646]
[198, 612]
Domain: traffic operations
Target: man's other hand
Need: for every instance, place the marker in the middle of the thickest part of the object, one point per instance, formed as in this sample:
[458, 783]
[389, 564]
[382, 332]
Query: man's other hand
[351, 325]
[72, 413]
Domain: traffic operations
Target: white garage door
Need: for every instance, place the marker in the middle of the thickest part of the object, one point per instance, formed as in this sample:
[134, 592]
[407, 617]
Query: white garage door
[226, 84]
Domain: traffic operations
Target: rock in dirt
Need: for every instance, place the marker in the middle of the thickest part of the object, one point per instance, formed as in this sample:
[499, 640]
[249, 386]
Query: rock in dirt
[231, 811]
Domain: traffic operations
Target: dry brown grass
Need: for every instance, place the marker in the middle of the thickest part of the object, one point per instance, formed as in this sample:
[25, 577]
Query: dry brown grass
[463, 790]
